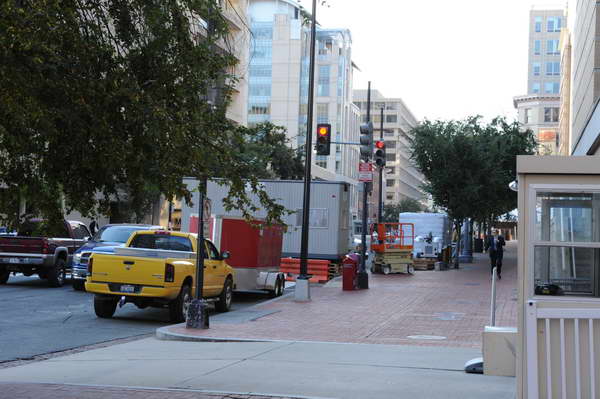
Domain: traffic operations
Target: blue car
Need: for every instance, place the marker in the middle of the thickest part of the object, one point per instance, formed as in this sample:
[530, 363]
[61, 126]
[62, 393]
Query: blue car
[105, 240]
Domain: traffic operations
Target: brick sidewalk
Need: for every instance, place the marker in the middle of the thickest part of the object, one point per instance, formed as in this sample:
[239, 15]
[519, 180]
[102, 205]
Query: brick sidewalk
[56, 391]
[445, 308]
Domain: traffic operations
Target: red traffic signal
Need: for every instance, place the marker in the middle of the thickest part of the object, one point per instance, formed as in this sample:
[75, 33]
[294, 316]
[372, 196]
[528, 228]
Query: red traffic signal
[379, 153]
[380, 144]
[323, 139]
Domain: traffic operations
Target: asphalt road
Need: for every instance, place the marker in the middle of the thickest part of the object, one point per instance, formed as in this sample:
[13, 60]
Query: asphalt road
[36, 319]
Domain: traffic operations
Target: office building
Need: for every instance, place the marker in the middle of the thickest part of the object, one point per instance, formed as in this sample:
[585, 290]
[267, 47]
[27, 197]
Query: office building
[539, 109]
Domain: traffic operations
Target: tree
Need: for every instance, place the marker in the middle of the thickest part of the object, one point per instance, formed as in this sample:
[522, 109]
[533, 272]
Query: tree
[468, 165]
[106, 96]
[391, 212]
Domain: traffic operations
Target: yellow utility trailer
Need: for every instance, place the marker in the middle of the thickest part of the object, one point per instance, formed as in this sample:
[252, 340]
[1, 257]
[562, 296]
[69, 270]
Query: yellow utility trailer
[393, 245]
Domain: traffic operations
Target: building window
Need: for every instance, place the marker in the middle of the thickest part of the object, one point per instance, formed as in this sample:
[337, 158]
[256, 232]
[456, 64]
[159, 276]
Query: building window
[551, 114]
[552, 47]
[535, 87]
[390, 144]
[390, 157]
[390, 106]
[390, 170]
[554, 24]
[390, 183]
[537, 47]
[538, 24]
[536, 69]
[323, 83]
[528, 115]
[338, 167]
[391, 118]
[551, 87]
[553, 68]
[388, 132]
[389, 196]
[322, 112]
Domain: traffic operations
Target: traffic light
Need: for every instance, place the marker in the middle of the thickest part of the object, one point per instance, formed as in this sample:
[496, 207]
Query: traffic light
[380, 153]
[323, 139]
[366, 141]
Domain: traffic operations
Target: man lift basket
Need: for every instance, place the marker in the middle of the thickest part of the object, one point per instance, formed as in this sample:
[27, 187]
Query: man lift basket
[393, 245]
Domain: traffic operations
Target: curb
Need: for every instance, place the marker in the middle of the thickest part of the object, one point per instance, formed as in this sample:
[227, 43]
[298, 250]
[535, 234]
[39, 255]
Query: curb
[164, 334]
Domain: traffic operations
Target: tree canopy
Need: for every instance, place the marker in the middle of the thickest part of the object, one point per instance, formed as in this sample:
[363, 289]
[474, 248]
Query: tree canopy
[102, 97]
[392, 211]
[468, 164]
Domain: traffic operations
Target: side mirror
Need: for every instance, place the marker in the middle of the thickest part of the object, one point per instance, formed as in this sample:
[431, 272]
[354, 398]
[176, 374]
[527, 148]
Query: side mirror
[225, 255]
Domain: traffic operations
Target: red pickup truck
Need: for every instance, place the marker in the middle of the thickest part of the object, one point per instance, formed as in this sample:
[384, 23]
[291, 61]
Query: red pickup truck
[48, 257]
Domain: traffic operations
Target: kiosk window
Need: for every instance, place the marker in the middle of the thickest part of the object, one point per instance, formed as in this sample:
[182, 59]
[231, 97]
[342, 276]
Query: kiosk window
[566, 250]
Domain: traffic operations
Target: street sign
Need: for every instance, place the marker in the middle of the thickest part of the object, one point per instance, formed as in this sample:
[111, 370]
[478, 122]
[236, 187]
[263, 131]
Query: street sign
[365, 172]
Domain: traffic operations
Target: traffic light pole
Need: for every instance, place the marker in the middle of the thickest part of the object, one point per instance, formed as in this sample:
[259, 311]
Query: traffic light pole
[302, 288]
[363, 277]
[380, 188]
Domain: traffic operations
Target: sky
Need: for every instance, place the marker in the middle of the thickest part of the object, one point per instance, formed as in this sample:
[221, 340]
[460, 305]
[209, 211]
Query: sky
[447, 59]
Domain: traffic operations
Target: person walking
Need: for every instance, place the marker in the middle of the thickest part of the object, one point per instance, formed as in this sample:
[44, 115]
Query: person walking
[494, 244]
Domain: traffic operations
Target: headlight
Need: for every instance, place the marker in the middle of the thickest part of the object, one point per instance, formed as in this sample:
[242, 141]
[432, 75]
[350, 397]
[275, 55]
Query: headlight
[77, 258]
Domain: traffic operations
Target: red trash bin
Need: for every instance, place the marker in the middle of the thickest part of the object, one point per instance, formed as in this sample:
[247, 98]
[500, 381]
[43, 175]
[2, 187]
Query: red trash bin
[349, 272]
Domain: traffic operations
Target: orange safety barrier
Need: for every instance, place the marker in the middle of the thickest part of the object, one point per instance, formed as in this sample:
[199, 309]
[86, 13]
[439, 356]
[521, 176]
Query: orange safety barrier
[317, 269]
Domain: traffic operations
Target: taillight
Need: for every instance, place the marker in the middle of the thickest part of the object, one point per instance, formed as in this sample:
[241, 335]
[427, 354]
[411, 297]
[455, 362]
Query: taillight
[169, 273]
[45, 247]
[90, 265]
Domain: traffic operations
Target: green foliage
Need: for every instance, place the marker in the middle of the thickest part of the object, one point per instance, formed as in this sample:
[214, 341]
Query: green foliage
[103, 98]
[468, 165]
[392, 211]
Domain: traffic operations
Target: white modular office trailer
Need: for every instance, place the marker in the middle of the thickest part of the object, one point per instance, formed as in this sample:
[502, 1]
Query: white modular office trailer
[329, 220]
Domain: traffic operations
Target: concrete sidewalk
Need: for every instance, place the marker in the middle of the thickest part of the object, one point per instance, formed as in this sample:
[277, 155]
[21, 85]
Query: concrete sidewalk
[281, 369]
[440, 308]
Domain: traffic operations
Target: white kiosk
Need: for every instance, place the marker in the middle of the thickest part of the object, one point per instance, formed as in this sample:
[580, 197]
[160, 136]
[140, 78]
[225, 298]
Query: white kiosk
[558, 345]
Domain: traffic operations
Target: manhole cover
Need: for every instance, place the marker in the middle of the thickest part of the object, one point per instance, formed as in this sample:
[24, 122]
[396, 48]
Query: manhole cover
[427, 337]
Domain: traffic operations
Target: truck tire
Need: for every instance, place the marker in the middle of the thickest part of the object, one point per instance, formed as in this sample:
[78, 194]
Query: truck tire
[104, 307]
[278, 289]
[225, 299]
[78, 285]
[178, 307]
[57, 275]
[4, 275]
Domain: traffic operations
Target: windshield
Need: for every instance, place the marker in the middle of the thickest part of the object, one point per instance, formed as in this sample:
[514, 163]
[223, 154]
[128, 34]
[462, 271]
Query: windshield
[115, 233]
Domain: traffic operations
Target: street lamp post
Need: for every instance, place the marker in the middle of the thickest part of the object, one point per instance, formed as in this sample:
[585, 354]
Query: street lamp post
[197, 316]
[302, 288]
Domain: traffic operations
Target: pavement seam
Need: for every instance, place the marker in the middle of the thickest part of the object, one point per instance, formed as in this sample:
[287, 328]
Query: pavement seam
[240, 361]
[188, 390]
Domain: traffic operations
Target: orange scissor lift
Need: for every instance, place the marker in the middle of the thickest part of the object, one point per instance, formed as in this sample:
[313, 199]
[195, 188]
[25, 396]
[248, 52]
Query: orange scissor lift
[393, 245]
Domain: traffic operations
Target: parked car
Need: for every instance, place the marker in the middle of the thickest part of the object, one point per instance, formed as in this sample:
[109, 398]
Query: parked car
[105, 241]
[31, 253]
[158, 268]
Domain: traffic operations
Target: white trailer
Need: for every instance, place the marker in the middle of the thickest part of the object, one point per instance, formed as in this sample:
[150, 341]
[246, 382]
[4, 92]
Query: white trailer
[330, 233]
[433, 232]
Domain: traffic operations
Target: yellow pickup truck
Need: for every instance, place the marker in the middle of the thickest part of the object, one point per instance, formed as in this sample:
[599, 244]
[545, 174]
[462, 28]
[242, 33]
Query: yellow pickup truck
[158, 268]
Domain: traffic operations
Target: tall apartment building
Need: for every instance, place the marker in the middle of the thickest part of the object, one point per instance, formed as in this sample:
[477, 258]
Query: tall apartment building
[539, 109]
[585, 84]
[402, 179]
[278, 85]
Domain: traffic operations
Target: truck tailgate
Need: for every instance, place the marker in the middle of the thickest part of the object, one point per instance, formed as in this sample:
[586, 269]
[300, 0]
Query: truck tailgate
[21, 245]
[128, 270]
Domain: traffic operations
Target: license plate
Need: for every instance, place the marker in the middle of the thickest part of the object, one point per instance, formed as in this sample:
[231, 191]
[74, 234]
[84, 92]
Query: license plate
[127, 288]
[14, 260]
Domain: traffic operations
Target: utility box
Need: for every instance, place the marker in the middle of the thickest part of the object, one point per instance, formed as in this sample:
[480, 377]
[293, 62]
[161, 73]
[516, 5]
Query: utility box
[558, 342]
[500, 351]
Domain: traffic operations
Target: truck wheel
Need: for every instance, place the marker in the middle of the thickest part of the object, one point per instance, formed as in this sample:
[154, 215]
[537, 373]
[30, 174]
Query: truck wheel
[104, 307]
[225, 299]
[78, 285]
[178, 308]
[57, 274]
[4, 275]
[278, 289]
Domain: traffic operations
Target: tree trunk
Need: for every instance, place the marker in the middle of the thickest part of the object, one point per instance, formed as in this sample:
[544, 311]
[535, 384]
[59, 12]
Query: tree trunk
[458, 228]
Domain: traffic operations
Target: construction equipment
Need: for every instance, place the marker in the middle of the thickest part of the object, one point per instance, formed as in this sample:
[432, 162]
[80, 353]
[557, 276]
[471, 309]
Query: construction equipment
[393, 245]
